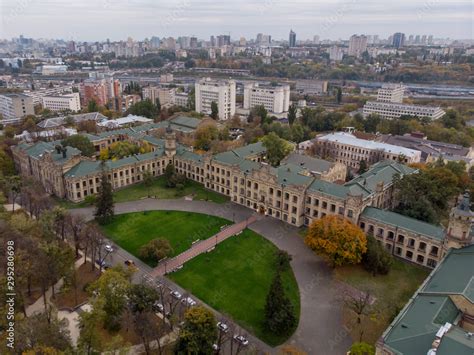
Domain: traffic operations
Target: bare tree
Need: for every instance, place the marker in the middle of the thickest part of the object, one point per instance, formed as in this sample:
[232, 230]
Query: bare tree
[75, 224]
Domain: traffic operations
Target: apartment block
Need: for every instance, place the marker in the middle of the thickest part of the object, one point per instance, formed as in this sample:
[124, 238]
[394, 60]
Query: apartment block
[275, 99]
[16, 106]
[222, 92]
[391, 110]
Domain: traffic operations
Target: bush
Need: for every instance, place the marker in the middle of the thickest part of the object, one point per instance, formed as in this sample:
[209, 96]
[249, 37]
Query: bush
[362, 349]
[90, 199]
[376, 260]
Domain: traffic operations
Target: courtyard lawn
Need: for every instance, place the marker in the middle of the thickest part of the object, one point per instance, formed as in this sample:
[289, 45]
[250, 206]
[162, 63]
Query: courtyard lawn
[391, 291]
[132, 230]
[235, 279]
[160, 191]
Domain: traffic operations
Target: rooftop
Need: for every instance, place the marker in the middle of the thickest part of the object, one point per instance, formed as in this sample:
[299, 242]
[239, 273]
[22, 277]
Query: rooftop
[349, 139]
[313, 165]
[404, 222]
[418, 325]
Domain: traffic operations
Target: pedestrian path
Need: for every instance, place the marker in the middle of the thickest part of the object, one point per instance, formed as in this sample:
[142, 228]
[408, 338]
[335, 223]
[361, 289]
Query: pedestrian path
[203, 246]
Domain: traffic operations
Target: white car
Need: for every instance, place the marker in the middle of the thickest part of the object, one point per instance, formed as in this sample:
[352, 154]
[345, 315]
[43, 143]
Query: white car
[176, 295]
[241, 339]
[108, 248]
[190, 302]
[223, 327]
[157, 306]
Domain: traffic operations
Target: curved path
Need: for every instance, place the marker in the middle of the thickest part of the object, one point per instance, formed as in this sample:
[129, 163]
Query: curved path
[320, 330]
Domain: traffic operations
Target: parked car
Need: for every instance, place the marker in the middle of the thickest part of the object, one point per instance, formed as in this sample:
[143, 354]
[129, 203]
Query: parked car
[215, 347]
[223, 327]
[102, 263]
[241, 339]
[158, 307]
[108, 248]
[176, 295]
[189, 301]
[129, 262]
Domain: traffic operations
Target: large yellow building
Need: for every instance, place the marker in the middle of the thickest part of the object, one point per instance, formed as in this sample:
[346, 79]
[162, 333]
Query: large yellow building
[299, 191]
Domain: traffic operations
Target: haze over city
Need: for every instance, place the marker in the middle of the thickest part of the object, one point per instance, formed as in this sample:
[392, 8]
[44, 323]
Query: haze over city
[97, 20]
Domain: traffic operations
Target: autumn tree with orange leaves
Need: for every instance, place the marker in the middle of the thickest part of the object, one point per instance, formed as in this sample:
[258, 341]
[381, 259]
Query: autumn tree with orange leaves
[341, 241]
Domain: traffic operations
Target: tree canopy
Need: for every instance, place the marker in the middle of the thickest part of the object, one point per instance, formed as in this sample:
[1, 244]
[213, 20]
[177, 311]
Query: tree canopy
[80, 142]
[198, 333]
[277, 148]
[341, 241]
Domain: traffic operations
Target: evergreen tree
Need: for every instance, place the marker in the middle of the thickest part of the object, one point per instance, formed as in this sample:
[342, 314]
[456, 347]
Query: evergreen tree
[279, 311]
[158, 104]
[214, 110]
[292, 114]
[92, 106]
[104, 204]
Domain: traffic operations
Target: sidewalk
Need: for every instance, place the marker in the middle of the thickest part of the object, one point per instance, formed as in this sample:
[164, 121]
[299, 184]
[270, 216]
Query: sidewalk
[203, 246]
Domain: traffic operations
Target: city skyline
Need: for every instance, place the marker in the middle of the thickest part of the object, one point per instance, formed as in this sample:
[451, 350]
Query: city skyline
[144, 18]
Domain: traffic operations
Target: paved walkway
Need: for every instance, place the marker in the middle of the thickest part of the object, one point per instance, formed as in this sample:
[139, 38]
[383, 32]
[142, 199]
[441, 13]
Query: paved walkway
[320, 330]
[201, 247]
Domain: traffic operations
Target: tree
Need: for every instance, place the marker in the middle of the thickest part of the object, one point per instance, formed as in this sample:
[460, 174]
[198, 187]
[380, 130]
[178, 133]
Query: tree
[198, 332]
[92, 106]
[156, 249]
[260, 111]
[112, 290]
[42, 330]
[141, 298]
[362, 167]
[292, 114]
[158, 104]
[148, 180]
[362, 349]
[341, 241]
[89, 341]
[279, 311]
[205, 135]
[214, 110]
[144, 108]
[14, 187]
[376, 260]
[104, 205]
[80, 142]
[277, 148]
[338, 95]
[7, 167]
[169, 172]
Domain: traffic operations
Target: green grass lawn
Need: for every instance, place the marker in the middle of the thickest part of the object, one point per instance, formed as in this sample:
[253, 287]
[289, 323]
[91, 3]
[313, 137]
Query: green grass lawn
[132, 230]
[392, 292]
[235, 279]
[159, 190]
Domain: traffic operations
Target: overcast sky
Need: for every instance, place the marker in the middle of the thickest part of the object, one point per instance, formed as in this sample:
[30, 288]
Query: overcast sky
[118, 19]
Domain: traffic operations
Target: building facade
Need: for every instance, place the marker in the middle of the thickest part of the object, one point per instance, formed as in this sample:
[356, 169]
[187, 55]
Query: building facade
[357, 45]
[347, 149]
[222, 92]
[68, 102]
[275, 99]
[16, 106]
[165, 95]
[391, 93]
[391, 110]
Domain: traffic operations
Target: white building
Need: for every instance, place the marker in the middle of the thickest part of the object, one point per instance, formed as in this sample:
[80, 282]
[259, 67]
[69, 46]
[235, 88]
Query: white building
[357, 45]
[391, 93]
[275, 99]
[15, 106]
[181, 99]
[390, 110]
[336, 53]
[222, 92]
[71, 102]
[53, 69]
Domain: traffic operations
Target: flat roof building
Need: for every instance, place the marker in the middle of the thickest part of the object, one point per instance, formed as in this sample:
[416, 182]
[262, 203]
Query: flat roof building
[275, 99]
[391, 110]
[222, 92]
[68, 102]
[16, 106]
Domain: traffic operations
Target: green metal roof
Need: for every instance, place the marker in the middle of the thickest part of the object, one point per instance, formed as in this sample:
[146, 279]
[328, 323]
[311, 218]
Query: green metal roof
[414, 329]
[382, 172]
[329, 188]
[407, 223]
[186, 121]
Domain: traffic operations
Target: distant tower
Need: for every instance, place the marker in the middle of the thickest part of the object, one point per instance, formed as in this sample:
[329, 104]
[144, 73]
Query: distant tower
[460, 223]
[170, 142]
[292, 39]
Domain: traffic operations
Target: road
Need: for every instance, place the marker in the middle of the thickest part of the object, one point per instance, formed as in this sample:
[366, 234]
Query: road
[320, 330]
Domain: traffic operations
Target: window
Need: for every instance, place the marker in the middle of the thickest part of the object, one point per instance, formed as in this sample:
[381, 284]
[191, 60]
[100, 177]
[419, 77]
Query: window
[431, 263]
[409, 255]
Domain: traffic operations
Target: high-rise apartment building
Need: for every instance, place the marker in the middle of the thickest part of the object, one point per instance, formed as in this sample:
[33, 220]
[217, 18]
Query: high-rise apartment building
[398, 40]
[357, 45]
[222, 92]
[96, 90]
[16, 106]
[292, 39]
[275, 99]
[165, 95]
